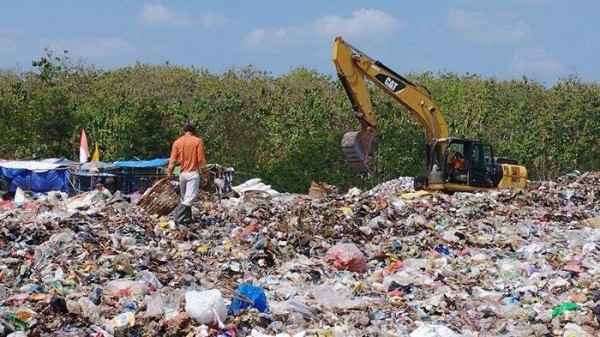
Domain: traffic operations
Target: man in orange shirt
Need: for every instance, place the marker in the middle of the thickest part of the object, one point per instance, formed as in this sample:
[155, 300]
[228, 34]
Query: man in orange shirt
[188, 152]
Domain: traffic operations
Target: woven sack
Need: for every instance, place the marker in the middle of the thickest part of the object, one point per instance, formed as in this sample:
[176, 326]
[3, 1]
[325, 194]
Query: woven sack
[160, 199]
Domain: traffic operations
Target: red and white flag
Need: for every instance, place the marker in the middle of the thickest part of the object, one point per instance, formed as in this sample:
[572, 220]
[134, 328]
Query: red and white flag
[84, 151]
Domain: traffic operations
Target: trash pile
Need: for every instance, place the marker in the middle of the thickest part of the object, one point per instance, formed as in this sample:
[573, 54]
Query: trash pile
[385, 262]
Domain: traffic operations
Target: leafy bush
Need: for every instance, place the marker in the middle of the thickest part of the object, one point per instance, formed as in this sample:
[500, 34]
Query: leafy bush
[287, 129]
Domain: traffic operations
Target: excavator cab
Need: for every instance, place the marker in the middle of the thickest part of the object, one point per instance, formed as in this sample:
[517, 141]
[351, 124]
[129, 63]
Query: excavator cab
[461, 165]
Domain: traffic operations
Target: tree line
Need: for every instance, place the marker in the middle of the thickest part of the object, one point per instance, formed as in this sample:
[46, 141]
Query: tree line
[287, 129]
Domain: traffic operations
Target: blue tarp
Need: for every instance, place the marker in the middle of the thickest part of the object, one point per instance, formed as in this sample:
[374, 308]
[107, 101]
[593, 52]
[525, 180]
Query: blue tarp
[51, 180]
[143, 163]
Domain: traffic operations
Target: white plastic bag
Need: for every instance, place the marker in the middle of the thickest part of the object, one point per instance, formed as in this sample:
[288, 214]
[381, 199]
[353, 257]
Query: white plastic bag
[433, 330]
[135, 288]
[206, 307]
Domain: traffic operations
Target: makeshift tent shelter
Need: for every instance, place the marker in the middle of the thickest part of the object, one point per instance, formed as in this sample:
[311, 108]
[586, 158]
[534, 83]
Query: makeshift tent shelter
[86, 176]
[139, 175]
[130, 176]
[37, 176]
[127, 176]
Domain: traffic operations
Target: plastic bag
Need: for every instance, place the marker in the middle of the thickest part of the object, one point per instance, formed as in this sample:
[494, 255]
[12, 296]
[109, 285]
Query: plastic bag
[342, 298]
[432, 330]
[568, 306]
[123, 287]
[149, 278]
[88, 308]
[154, 307]
[205, 307]
[249, 295]
[346, 256]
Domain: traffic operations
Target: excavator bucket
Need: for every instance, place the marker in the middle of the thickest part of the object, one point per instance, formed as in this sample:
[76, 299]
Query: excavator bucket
[358, 147]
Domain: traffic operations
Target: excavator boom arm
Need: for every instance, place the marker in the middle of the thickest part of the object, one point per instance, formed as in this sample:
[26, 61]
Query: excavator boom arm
[353, 67]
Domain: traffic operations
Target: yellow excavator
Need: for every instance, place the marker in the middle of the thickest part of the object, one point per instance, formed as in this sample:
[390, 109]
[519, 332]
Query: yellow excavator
[453, 164]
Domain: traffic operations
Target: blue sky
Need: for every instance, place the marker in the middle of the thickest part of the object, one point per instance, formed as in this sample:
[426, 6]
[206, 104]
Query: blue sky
[542, 39]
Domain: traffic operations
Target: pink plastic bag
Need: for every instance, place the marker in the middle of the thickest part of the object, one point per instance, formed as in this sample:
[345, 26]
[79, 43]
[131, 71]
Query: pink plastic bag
[7, 204]
[346, 256]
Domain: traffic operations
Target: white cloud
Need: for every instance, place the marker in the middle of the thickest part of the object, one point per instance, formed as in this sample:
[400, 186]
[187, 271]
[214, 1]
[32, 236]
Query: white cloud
[534, 60]
[363, 22]
[212, 19]
[157, 14]
[482, 28]
[260, 37]
[89, 48]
